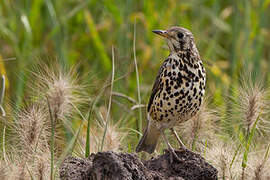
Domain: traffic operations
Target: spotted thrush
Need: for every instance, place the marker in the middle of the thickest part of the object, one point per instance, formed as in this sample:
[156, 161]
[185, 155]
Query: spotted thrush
[178, 90]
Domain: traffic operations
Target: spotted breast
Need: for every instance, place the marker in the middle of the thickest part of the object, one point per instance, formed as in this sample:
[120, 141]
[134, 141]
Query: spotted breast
[178, 91]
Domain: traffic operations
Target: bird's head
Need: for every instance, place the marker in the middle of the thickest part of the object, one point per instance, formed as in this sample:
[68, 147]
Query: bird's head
[179, 39]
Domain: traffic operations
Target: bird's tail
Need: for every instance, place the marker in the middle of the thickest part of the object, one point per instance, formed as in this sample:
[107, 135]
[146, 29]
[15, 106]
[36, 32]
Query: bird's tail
[149, 139]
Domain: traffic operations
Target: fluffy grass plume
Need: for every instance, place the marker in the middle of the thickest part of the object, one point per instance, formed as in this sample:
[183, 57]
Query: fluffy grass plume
[225, 158]
[32, 131]
[60, 86]
[253, 105]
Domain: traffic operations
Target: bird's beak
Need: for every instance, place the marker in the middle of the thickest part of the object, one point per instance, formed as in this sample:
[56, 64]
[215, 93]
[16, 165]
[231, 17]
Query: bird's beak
[162, 33]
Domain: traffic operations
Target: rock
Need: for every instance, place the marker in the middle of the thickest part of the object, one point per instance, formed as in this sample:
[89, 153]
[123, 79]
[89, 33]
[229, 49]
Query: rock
[117, 166]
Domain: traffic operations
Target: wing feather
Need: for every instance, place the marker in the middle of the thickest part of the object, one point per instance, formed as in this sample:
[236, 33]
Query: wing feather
[156, 86]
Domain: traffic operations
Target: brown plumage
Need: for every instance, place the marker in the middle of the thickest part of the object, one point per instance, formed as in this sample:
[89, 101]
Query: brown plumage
[178, 90]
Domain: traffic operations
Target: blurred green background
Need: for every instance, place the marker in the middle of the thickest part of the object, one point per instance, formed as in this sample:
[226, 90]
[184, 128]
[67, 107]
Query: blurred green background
[233, 37]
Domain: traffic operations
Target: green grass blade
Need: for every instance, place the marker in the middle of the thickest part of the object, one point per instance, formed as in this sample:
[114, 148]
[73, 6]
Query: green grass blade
[2, 94]
[70, 146]
[110, 103]
[247, 146]
[234, 156]
[205, 148]
[137, 78]
[87, 146]
[2, 91]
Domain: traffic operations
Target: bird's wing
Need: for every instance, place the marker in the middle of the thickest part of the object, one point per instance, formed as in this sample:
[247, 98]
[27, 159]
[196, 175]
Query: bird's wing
[156, 86]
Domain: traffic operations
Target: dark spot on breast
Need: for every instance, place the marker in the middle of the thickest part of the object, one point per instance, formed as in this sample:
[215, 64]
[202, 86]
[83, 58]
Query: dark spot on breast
[181, 65]
[176, 93]
[161, 103]
[200, 101]
[181, 109]
[201, 86]
[196, 79]
[194, 91]
[185, 68]
[168, 88]
[188, 55]
[179, 79]
[161, 85]
[181, 91]
[200, 73]
[165, 72]
[167, 82]
[187, 84]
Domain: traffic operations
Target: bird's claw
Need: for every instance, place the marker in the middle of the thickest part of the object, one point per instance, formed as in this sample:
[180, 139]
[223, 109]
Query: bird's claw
[173, 156]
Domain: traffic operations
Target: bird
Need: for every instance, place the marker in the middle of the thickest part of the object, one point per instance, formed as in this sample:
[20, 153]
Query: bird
[178, 90]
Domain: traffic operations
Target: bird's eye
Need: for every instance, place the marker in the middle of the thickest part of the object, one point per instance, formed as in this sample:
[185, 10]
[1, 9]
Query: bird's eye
[180, 35]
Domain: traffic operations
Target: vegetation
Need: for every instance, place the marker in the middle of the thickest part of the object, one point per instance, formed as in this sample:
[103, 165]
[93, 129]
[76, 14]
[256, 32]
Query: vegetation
[77, 76]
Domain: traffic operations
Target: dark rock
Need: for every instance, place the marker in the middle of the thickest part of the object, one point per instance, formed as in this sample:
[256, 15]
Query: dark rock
[117, 166]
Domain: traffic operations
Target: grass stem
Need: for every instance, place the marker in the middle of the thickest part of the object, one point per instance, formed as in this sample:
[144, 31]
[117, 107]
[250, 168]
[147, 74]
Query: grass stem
[52, 139]
[110, 103]
[137, 78]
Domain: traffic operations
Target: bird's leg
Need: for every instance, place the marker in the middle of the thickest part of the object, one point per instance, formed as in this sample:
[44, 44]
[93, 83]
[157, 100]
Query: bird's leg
[170, 148]
[178, 139]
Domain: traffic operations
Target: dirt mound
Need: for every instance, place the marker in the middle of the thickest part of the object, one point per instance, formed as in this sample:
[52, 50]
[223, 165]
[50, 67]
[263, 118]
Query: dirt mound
[117, 166]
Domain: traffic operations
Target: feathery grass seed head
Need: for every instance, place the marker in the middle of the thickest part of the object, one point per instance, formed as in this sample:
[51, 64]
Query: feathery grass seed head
[252, 104]
[30, 128]
[221, 155]
[60, 87]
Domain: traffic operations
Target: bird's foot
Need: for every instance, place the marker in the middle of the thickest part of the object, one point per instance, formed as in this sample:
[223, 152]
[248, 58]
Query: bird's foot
[183, 148]
[173, 156]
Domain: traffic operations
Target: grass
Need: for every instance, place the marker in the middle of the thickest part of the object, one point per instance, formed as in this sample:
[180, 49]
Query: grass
[232, 37]
[109, 105]
[52, 138]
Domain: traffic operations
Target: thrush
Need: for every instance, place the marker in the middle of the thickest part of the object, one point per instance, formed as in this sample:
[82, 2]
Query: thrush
[178, 90]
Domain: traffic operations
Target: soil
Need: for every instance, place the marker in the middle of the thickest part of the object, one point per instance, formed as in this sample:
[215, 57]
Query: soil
[117, 166]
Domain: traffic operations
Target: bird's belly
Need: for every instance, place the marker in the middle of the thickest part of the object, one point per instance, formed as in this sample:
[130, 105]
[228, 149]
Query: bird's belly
[177, 104]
